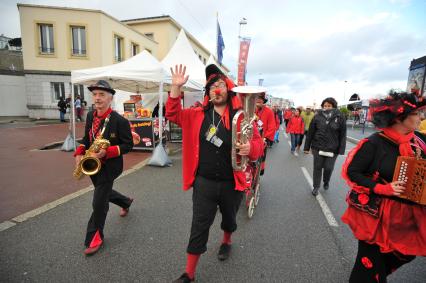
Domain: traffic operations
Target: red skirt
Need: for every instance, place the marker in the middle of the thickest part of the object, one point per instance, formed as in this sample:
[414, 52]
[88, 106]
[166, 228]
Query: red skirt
[400, 227]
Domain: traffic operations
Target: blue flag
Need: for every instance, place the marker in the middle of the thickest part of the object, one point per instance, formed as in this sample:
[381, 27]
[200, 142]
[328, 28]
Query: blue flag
[220, 44]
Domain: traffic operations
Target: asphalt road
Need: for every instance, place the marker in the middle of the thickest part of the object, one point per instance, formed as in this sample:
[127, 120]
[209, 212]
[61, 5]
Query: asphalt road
[288, 240]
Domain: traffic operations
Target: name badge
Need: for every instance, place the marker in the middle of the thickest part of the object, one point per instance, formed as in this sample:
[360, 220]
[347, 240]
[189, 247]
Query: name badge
[211, 132]
[216, 141]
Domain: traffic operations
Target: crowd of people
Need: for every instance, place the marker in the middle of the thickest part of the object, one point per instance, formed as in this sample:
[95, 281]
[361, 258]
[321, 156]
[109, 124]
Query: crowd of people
[391, 231]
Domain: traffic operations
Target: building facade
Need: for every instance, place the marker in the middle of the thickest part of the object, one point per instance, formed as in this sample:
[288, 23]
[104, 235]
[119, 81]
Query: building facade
[57, 40]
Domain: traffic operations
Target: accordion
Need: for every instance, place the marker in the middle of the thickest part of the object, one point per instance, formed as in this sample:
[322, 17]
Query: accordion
[412, 171]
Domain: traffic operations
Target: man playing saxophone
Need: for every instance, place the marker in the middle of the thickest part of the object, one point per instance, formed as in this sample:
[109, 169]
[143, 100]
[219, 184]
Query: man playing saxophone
[207, 166]
[106, 124]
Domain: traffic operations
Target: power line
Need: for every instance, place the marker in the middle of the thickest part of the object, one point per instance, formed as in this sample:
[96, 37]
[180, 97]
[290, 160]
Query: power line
[198, 22]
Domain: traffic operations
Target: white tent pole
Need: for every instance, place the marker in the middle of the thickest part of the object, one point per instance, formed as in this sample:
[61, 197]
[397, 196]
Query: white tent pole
[73, 115]
[160, 112]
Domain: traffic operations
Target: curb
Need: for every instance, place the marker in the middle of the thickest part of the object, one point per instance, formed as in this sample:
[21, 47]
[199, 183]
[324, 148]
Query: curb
[44, 208]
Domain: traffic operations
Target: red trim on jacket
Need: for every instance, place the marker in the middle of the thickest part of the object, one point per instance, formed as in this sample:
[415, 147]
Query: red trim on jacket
[190, 120]
[266, 115]
[80, 150]
[112, 151]
[295, 125]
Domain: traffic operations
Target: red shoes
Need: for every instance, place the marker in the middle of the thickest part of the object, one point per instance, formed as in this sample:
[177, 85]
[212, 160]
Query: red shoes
[92, 250]
[125, 211]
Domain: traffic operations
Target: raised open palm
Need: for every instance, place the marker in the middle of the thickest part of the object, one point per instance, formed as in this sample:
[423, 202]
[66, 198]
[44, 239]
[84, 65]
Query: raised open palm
[178, 75]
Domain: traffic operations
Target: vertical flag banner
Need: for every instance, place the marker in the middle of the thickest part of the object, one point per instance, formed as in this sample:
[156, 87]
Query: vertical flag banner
[219, 44]
[242, 60]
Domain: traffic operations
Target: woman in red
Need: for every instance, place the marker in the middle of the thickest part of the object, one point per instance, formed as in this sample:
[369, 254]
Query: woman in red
[296, 128]
[391, 231]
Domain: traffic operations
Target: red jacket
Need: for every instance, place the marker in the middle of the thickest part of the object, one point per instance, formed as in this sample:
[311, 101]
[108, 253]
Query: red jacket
[266, 115]
[190, 120]
[287, 114]
[277, 121]
[296, 125]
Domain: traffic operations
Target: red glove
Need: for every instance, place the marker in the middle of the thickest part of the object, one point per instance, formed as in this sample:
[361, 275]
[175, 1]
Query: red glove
[385, 190]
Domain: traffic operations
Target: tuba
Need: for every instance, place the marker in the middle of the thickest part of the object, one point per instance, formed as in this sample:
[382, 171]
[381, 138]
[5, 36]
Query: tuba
[242, 123]
[89, 165]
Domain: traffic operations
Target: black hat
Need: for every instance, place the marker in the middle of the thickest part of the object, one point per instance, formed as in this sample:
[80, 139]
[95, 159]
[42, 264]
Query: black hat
[263, 96]
[385, 111]
[102, 85]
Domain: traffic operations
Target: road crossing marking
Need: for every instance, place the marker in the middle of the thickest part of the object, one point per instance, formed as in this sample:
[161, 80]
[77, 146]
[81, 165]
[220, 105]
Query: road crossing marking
[324, 207]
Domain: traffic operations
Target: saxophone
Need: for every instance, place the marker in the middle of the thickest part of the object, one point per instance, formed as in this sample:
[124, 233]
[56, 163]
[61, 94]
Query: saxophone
[242, 125]
[90, 165]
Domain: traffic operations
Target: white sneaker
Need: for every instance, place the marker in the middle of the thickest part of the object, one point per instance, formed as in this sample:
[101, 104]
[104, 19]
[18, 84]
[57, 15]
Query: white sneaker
[296, 154]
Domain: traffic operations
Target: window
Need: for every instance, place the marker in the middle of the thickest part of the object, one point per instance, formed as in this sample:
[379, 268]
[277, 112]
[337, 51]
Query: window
[135, 49]
[199, 56]
[79, 90]
[46, 39]
[118, 48]
[78, 41]
[204, 61]
[150, 35]
[57, 90]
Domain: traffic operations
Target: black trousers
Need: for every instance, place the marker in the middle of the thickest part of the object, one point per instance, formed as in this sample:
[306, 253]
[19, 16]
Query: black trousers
[206, 197]
[301, 138]
[322, 163]
[102, 196]
[373, 266]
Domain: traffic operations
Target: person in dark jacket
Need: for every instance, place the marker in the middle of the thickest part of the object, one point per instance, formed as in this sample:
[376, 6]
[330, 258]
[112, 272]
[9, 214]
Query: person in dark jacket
[117, 131]
[62, 105]
[326, 138]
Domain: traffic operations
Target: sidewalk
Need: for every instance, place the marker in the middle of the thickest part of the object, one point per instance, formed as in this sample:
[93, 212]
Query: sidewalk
[30, 177]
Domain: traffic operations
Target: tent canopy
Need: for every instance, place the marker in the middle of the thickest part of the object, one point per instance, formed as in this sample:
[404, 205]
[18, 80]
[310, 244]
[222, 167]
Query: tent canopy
[183, 53]
[140, 73]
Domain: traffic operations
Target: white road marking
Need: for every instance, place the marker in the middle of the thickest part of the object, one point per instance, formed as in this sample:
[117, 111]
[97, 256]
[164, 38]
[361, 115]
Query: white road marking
[324, 207]
[6, 225]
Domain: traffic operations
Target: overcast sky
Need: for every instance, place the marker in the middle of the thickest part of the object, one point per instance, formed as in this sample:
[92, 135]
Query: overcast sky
[304, 50]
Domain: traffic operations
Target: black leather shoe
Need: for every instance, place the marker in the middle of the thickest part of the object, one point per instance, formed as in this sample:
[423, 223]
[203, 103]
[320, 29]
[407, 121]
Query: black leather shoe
[326, 186]
[315, 192]
[224, 251]
[184, 278]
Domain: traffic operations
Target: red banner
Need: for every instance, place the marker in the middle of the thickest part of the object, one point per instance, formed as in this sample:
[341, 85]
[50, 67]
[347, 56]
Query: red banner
[242, 60]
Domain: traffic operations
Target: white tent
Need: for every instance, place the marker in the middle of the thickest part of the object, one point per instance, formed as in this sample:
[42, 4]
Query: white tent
[183, 53]
[140, 73]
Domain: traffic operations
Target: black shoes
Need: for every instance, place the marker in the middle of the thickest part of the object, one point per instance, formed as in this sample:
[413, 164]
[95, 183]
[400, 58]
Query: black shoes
[315, 192]
[224, 251]
[326, 186]
[184, 278]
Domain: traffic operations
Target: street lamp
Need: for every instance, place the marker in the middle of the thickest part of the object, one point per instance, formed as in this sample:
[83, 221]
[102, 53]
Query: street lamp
[243, 21]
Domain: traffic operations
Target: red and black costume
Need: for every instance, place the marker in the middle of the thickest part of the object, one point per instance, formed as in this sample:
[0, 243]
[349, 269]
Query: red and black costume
[118, 133]
[391, 231]
[207, 167]
[266, 124]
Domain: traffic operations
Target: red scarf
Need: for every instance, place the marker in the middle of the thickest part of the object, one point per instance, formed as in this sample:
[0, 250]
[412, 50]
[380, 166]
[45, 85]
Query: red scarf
[97, 122]
[402, 140]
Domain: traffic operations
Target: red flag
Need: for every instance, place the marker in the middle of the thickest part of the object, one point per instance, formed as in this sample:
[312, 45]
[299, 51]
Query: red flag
[242, 61]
